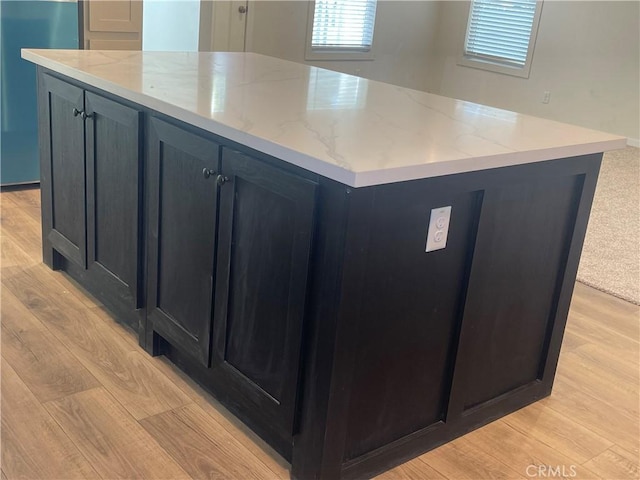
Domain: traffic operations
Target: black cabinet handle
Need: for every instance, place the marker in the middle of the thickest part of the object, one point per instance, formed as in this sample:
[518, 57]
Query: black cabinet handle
[206, 173]
[76, 112]
[221, 180]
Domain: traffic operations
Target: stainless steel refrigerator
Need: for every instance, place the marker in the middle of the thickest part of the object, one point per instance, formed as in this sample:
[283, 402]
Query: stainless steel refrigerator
[27, 24]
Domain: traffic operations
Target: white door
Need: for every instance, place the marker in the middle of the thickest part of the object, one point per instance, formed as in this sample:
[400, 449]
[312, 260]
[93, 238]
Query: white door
[228, 26]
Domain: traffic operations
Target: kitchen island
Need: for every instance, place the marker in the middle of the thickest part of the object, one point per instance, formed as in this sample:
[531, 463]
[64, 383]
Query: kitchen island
[358, 271]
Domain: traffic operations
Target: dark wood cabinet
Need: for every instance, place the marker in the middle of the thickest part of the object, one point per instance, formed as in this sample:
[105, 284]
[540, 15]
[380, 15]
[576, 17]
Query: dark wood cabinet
[91, 195]
[63, 171]
[311, 309]
[181, 236]
[229, 247]
[264, 247]
[514, 288]
[114, 203]
[426, 346]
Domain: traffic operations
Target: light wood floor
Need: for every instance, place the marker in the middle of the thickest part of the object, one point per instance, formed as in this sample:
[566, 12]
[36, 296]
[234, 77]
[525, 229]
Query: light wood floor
[81, 400]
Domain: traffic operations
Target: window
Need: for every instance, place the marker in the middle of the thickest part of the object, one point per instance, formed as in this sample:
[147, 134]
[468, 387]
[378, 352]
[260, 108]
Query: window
[341, 29]
[501, 35]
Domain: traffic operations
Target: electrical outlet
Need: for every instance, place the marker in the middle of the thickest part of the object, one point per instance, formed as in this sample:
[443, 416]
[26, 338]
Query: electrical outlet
[546, 97]
[438, 228]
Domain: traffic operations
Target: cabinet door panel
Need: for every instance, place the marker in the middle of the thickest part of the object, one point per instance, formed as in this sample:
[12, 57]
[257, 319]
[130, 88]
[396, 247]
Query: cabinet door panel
[266, 219]
[114, 16]
[182, 220]
[63, 169]
[513, 287]
[113, 213]
[408, 321]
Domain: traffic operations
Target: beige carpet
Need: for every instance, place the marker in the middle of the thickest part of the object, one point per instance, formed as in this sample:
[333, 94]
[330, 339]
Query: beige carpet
[611, 256]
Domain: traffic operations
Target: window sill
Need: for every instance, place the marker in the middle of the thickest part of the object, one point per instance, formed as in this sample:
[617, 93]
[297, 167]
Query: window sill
[481, 64]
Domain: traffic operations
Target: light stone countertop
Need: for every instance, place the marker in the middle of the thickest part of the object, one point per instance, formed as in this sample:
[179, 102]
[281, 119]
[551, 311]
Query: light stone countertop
[356, 131]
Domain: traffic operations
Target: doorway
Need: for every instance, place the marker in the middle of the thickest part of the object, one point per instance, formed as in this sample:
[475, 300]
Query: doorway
[223, 25]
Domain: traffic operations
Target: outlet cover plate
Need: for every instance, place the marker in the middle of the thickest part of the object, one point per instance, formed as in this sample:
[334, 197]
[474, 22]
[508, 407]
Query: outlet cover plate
[438, 228]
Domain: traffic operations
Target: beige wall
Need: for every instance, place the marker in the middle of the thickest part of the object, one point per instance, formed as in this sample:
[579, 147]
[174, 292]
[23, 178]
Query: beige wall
[404, 40]
[587, 55]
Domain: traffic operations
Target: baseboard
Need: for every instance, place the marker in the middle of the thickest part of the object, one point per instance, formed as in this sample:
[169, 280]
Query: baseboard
[633, 142]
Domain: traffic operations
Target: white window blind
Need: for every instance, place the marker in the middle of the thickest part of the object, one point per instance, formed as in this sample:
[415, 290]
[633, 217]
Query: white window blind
[343, 24]
[501, 31]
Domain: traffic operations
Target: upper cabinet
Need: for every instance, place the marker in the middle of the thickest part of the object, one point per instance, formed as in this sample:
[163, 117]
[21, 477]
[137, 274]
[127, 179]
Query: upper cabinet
[112, 25]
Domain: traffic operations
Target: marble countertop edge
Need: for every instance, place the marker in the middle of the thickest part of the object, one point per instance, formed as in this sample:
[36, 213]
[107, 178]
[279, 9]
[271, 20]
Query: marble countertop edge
[331, 169]
[476, 164]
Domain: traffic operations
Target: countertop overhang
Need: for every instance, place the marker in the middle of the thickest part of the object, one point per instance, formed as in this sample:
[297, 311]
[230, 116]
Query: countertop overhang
[356, 131]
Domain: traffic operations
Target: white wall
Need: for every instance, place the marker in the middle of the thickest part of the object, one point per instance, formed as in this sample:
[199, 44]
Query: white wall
[404, 40]
[587, 55]
[170, 25]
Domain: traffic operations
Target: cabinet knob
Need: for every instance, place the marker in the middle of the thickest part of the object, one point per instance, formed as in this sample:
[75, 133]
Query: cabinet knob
[242, 9]
[206, 173]
[76, 112]
[85, 115]
[221, 180]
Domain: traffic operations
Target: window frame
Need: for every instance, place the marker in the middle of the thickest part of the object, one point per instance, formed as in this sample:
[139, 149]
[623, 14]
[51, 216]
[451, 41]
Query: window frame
[336, 53]
[496, 66]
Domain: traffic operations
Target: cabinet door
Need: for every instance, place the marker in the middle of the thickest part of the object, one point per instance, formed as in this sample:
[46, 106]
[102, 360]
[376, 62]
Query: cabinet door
[112, 25]
[265, 230]
[63, 169]
[113, 197]
[181, 237]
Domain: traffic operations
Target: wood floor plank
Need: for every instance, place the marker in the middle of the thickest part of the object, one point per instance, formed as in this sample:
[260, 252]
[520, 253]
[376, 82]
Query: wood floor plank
[609, 312]
[596, 415]
[614, 313]
[47, 368]
[21, 228]
[31, 278]
[218, 413]
[595, 331]
[463, 460]
[415, 469]
[122, 368]
[11, 254]
[25, 232]
[75, 289]
[609, 363]
[571, 341]
[520, 451]
[57, 283]
[127, 334]
[28, 199]
[115, 444]
[558, 432]
[202, 447]
[620, 395]
[33, 444]
[615, 463]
